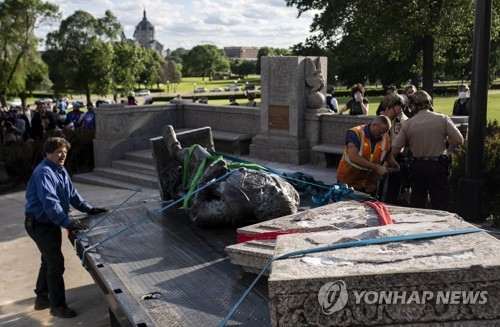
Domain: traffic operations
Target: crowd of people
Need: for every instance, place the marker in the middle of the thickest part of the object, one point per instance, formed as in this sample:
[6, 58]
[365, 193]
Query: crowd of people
[19, 125]
[403, 156]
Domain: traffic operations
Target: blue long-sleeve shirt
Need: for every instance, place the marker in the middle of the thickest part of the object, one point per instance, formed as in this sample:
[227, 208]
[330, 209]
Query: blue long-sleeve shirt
[50, 192]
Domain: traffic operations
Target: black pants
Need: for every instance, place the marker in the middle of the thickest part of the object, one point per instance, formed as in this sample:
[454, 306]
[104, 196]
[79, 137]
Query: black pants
[429, 178]
[50, 280]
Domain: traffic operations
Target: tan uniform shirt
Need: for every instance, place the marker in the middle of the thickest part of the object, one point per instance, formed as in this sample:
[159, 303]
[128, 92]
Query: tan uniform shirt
[426, 134]
[394, 131]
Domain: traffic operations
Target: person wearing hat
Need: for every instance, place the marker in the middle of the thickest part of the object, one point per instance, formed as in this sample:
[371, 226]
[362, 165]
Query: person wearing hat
[88, 120]
[391, 89]
[76, 115]
[427, 135]
[398, 181]
[367, 148]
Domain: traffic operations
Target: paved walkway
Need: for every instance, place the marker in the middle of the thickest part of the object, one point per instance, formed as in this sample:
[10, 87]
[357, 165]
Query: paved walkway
[20, 259]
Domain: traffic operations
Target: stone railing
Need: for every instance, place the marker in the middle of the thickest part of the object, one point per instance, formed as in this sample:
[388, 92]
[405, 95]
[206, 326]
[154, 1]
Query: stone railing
[121, 129]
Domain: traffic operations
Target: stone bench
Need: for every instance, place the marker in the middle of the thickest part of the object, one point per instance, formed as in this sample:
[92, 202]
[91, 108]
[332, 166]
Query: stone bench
[328, 154]
[229, 142]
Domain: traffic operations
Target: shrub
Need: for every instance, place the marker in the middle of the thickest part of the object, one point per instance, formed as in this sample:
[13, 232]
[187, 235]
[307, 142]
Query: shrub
[491, 168]
[21, 159]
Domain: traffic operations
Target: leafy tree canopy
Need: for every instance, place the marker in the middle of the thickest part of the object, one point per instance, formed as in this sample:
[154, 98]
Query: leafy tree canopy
[205, 60]
[18, 43]
[79, 55]
[392, 41]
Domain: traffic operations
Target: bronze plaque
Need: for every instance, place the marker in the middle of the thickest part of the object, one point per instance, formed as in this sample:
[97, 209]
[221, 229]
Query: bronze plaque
[278, 117]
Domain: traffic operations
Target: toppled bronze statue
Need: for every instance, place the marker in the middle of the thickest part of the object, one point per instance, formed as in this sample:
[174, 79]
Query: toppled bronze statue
[245, 196]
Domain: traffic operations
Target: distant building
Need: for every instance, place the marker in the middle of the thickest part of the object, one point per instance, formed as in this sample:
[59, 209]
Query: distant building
[241, 53]
[145, 36]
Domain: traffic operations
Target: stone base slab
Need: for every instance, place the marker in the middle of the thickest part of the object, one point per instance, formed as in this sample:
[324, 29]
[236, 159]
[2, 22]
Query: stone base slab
[343, 215]
[420, 271]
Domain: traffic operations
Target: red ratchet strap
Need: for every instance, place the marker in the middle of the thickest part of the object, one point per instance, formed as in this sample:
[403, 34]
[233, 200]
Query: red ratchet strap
[262, 236]
[379, 207]
[383, 213]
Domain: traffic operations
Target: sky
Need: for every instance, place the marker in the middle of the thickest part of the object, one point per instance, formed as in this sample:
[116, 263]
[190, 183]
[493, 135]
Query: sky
[187, 23]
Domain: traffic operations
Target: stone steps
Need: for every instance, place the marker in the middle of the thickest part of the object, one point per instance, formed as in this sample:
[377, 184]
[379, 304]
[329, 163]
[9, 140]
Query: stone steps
[134, 171]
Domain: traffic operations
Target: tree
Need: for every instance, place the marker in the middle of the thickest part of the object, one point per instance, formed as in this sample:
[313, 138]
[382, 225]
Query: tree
[204, 61]
[151, 70]
[79, 54]
[18, 43]
[268, 51]
[178, 55]
[246, 68]
[126, 67]
[37, 76]
[417, 36]
[171, 72]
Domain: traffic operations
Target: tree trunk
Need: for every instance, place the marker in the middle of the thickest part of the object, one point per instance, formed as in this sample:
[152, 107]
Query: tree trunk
[428, 67]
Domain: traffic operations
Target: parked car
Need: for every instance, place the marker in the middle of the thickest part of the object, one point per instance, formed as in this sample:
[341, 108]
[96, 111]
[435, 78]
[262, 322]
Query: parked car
[216, 89]
[250, 87]
[142, 93]
[200, 90]
[47, 100]
[16, 102]
[232, 87]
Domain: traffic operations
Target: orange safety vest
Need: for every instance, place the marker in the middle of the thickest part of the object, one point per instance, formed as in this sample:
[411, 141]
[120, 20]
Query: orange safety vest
[363, 179]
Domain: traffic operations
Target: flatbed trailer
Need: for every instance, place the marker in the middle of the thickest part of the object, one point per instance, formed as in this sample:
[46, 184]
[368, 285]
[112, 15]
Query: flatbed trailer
[155, 268]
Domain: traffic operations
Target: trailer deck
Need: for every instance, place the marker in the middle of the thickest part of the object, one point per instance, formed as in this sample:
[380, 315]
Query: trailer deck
[155, 268]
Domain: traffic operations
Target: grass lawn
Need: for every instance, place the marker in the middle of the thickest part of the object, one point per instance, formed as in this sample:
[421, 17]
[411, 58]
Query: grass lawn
[444, 105]
[189, 84]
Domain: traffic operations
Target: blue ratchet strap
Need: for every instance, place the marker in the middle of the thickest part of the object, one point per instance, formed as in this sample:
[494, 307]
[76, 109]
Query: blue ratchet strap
[372, 241]
[305, 184]
[108, 214]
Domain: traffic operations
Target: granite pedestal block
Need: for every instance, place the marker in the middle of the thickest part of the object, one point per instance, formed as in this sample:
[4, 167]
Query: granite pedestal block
[253, 255]
[444, 281]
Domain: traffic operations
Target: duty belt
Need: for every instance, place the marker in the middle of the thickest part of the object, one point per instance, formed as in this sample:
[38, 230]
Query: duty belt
[427, 158]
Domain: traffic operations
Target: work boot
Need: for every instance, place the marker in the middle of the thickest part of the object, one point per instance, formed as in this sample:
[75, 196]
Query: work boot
[62, 312]
[42, 302]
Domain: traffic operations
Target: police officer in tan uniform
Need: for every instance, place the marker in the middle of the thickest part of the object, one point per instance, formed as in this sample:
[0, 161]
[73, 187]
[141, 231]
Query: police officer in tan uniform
[427, 135]
[393, 105]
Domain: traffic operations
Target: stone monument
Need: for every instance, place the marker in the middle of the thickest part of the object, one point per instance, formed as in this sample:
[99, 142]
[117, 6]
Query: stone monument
[291, 87]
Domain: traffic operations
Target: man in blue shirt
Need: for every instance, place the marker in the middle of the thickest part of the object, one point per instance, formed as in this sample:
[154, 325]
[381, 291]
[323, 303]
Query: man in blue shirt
[76, 115]
[49, 194]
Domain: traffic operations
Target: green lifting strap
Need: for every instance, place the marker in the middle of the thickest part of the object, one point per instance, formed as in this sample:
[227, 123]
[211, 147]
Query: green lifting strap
[208, 161]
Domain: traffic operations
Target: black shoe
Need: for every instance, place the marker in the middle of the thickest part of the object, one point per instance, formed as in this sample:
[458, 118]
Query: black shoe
[62, 312]
[42, 302]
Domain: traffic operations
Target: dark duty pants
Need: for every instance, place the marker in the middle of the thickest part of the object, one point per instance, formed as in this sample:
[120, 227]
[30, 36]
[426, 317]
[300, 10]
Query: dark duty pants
[50, 276]
[429, 177]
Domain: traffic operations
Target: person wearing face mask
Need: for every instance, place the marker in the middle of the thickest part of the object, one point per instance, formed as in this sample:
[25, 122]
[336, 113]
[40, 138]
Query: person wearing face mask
[358, 105]
[461, 105]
